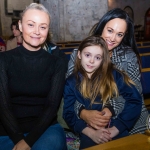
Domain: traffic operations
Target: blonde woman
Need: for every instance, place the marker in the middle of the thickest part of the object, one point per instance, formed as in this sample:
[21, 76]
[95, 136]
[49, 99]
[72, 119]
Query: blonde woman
[31, 86]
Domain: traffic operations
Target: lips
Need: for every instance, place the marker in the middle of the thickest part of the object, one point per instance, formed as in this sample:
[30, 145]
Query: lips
[35, 37]
[90, 67]
[109, 43]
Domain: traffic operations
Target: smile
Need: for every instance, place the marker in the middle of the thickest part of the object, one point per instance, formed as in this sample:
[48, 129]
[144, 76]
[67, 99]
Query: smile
[90, 67]
[35, 37]
[109, 43]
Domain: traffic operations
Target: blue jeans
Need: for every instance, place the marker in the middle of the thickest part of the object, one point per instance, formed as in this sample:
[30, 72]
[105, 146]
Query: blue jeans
[52, 139]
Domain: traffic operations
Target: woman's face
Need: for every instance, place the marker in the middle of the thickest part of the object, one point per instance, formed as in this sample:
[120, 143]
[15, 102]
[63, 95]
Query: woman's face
[91, 58]
[114, 32]
[34, 28]
[15, 31]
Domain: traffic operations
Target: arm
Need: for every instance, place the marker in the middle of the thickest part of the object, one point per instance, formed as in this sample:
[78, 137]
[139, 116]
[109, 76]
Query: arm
[95, 118]
[53, 100]
[132, 107]
[98, 136]
[69, 115]
[6, 116]
[71, 62]
[126, 60]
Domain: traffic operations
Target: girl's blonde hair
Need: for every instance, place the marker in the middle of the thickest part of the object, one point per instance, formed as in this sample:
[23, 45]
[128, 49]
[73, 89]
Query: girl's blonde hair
[102, 82]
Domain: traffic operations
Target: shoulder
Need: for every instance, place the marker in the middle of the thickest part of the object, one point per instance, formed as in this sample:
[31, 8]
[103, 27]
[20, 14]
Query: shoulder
[13, 51]
[53, 46]
[75, 51]
[71, 77]
[125, 50]
[13, 40]
[124, 55]
[116, 73]
[74, 54]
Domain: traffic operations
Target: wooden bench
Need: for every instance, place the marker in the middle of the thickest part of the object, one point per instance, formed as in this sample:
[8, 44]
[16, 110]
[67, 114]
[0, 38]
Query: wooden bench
[145, 81]
[144, 49]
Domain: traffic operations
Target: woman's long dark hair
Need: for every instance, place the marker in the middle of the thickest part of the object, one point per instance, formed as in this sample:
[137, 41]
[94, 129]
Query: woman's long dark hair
[129, 38]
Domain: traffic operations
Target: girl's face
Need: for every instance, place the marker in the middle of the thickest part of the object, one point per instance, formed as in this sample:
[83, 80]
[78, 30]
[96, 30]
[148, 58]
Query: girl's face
[15, 31]
[34, 28]
[113, 32]
[91, 58]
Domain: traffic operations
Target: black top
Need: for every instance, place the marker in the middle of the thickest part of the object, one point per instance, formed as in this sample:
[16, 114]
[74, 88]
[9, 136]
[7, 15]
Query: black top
[31, 86]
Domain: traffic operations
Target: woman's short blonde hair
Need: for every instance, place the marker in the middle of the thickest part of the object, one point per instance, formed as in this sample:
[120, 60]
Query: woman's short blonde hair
[37, 7]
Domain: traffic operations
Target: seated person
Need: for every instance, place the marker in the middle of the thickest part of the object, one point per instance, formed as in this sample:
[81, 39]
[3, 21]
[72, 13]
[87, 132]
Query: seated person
[2, 45]
[53, 49]
[94, 82]
[15, 40]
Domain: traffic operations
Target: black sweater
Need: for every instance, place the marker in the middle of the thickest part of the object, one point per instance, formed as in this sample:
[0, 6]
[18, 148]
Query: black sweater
[31, 86]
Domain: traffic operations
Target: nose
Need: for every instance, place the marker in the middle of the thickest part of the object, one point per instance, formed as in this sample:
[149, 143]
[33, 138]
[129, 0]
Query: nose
[92, 60]
[36, 31]
[112, 38]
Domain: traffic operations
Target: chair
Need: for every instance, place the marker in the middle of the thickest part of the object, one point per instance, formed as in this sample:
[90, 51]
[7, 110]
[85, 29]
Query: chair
[144, 49]
[139, 44]
[145, 59]
[67, 49]
[68, 55]
[146, 43]
[72, 45]
[145, 81]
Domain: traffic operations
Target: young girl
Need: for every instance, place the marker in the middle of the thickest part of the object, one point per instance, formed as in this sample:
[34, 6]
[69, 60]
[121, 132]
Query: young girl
[95, 80]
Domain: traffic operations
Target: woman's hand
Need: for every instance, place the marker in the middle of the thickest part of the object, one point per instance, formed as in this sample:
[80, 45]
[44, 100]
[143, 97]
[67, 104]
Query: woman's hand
[21, 145]
[113, 131]
[98, 136]
[94, 118]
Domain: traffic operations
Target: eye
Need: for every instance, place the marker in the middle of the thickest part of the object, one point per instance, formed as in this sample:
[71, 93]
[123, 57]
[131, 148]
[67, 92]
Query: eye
[30, 25]
[110, 31]
[87, 55]
[43, 28]
[98, 58]
[120, 35]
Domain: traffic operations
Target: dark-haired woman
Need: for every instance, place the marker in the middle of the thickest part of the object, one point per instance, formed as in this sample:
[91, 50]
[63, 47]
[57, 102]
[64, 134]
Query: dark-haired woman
[117, 29]
[16, 39]
[94, 70]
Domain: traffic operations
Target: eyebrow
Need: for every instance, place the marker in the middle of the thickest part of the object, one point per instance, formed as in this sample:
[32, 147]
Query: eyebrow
[91, 53]
[35, 22]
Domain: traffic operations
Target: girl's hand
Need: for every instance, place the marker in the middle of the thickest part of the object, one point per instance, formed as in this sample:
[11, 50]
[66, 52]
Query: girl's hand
[101, 136]
[21, 145]
[94, 118]
[98, 136]
[113, 131]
